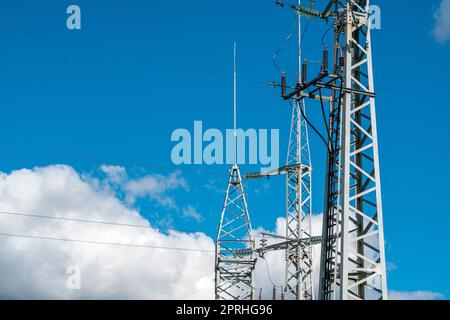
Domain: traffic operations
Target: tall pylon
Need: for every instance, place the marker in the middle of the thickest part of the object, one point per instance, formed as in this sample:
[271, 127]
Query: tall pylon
[298, 282]
[233, 269]
[353, 264]
[299, 264]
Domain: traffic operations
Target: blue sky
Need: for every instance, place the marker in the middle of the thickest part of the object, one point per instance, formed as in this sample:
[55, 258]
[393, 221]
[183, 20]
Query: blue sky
[113, 92]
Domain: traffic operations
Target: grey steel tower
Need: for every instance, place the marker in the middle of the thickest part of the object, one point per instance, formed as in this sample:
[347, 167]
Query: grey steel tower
[298, 282]
[353, 262]
[234, 270]
[298, 171]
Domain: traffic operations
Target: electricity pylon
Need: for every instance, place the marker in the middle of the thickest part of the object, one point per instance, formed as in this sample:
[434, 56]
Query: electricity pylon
[298, 274]
[298, 277]
[353, 264]
[234, 270]
[298, 171]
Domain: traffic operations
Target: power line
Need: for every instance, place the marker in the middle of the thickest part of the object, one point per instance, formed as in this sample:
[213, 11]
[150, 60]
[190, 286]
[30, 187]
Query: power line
[65, 219]
[105, 243]
[269, 276]
[132, 55]
[78, 220]
[110, 223]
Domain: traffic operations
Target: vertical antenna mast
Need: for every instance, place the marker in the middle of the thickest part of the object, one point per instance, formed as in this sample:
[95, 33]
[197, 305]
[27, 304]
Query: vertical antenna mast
[299, 43]
[235, 245]
[234, 131]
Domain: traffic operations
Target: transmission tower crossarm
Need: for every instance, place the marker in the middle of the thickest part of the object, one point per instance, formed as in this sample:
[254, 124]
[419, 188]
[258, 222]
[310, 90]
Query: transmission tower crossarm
[310, 241]
[277, 172]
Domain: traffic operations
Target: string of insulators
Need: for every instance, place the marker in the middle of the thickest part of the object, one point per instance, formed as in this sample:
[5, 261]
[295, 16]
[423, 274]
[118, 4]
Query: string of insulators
[253, 176]
[274, 295]
[309, 12]
[282, 293]
[304, 72]
[260, 294]
[283, 85]
[325, 61]
[242, 252]
[342, 62]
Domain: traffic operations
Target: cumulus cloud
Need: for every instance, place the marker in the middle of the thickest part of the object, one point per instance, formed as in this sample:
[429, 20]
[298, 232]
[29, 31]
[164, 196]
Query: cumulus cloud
[34, 268]
[155, 187]
[37, 269]
[441, 30]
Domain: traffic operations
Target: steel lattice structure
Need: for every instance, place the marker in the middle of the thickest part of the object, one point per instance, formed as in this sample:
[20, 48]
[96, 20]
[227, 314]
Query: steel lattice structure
[298, 283]
[353, 263]
[234, 271]
[299, 264]
[235, 246]
[353, 260]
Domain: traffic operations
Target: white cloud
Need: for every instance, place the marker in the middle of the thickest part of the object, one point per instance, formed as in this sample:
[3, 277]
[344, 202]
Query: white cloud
[114, 174]
[441, 30]
[155, 187]
[190, 212]
[32, 268]
[414, 295]
[276, 260]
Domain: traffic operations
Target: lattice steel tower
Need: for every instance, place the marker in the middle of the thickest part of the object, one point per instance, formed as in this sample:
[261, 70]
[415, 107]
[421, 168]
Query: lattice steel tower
[298, 284]
[298, 277]
[234, 270]
[353, 262]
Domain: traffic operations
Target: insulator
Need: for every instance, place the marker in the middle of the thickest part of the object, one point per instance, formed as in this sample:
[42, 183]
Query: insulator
[325, 61]
[304, 72]
[283, 84]
[342, 62]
